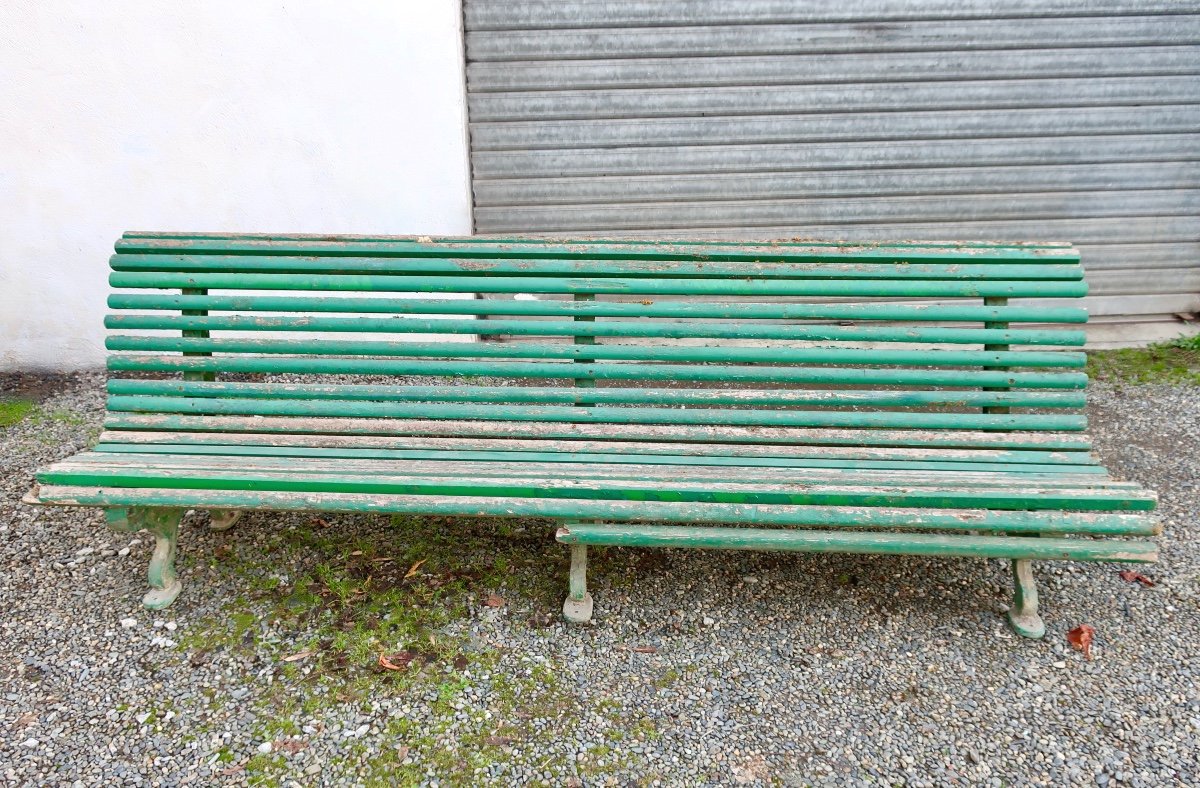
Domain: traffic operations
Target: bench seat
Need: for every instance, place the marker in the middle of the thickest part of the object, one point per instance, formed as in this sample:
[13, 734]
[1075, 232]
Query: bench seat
[645, 395]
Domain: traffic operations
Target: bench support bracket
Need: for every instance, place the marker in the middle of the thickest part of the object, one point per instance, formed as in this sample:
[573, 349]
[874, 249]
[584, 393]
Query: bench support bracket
[578, 607]
[1023, 615]
[164, 525]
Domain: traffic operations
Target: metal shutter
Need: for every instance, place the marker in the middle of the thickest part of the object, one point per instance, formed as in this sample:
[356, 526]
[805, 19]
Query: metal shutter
[862, 119]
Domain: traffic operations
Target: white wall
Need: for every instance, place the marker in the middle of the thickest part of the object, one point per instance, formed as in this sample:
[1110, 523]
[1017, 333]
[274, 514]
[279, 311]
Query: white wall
[237, 115]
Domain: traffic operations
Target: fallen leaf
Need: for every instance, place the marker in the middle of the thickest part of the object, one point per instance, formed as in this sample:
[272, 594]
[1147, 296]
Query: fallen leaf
[494, 600]
[25, 720]
[357, 552]
[232, 770]
[290, 746]
[402, 751]
[645, 649]
[498, 741]
[397, 661]
[541, 619]
[299, 655]
[1130, 576]
[412, 570]
[1081, 638]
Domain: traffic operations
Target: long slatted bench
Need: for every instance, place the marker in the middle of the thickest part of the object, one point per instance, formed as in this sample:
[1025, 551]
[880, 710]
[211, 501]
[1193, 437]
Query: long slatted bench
[885, 399]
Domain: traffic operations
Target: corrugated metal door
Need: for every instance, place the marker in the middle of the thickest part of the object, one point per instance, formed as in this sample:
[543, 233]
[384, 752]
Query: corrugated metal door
[944, 119]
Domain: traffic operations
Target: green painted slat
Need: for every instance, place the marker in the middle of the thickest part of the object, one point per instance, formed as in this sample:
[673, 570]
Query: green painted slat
[719, 354]
[626, 396]
[1032, 498]
[664, 309]
[797, 450]
[550, 248]
[573, 266]
[611, 415]
[856, 542]
[671, 330]
[634, 511]
[700, 434]
[590, 457]
[634, 470]
[564, 328]
[492, 239]
[543, 370]
[664, 286]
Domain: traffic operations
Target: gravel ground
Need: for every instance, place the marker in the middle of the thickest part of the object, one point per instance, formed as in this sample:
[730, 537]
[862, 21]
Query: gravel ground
[699, 668]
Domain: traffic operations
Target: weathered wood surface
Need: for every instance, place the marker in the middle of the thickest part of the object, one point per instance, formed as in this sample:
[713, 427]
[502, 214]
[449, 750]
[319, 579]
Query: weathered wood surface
[502, 467]
[621, 396]
[790, 436]
[1011, 547]
[1098, 523]
[736, 311]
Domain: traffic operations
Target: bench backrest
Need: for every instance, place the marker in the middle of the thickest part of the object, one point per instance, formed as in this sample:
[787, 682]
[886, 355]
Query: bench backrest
[906, 345]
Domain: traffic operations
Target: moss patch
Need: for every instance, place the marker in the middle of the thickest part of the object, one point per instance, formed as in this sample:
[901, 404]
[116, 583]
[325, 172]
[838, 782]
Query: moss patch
[14, 410]
[1175, 363]
[423, 593]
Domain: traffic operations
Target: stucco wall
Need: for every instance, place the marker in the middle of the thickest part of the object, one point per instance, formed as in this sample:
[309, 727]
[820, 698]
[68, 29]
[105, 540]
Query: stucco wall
[238, 115]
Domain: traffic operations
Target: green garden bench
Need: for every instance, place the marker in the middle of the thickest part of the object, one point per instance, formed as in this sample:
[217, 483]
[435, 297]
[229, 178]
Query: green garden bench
[799, 396]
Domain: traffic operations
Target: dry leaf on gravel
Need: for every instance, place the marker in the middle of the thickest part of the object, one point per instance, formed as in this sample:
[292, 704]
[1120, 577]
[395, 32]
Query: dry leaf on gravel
[290, 746]
[232, 770]
[397, 661]
[299, 655]
[1130, 576]
[1081, 638]
[412, 570]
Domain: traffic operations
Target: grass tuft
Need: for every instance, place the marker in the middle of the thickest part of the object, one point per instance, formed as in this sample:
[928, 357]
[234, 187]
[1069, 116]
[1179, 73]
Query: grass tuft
[1176, 362]
[13, 411]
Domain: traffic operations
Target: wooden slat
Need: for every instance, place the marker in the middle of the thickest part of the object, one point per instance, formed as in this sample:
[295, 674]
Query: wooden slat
[740, 311]
[631, 511]
[636, 468]
[600, 285]
[601, 415]
[501, 248]
[702, 434]
[571, 266]
[784, 243]
[723, 354]
[656, 329]
[626, 396]
[1016, 458]
[1031, 497]
[856, 542]
[617, 371]
[591, 458]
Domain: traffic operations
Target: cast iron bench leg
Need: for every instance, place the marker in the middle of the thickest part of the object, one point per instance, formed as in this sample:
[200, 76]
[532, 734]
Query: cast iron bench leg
[578, 607]
[164, 524]
[1023, 615]
[223, 519]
